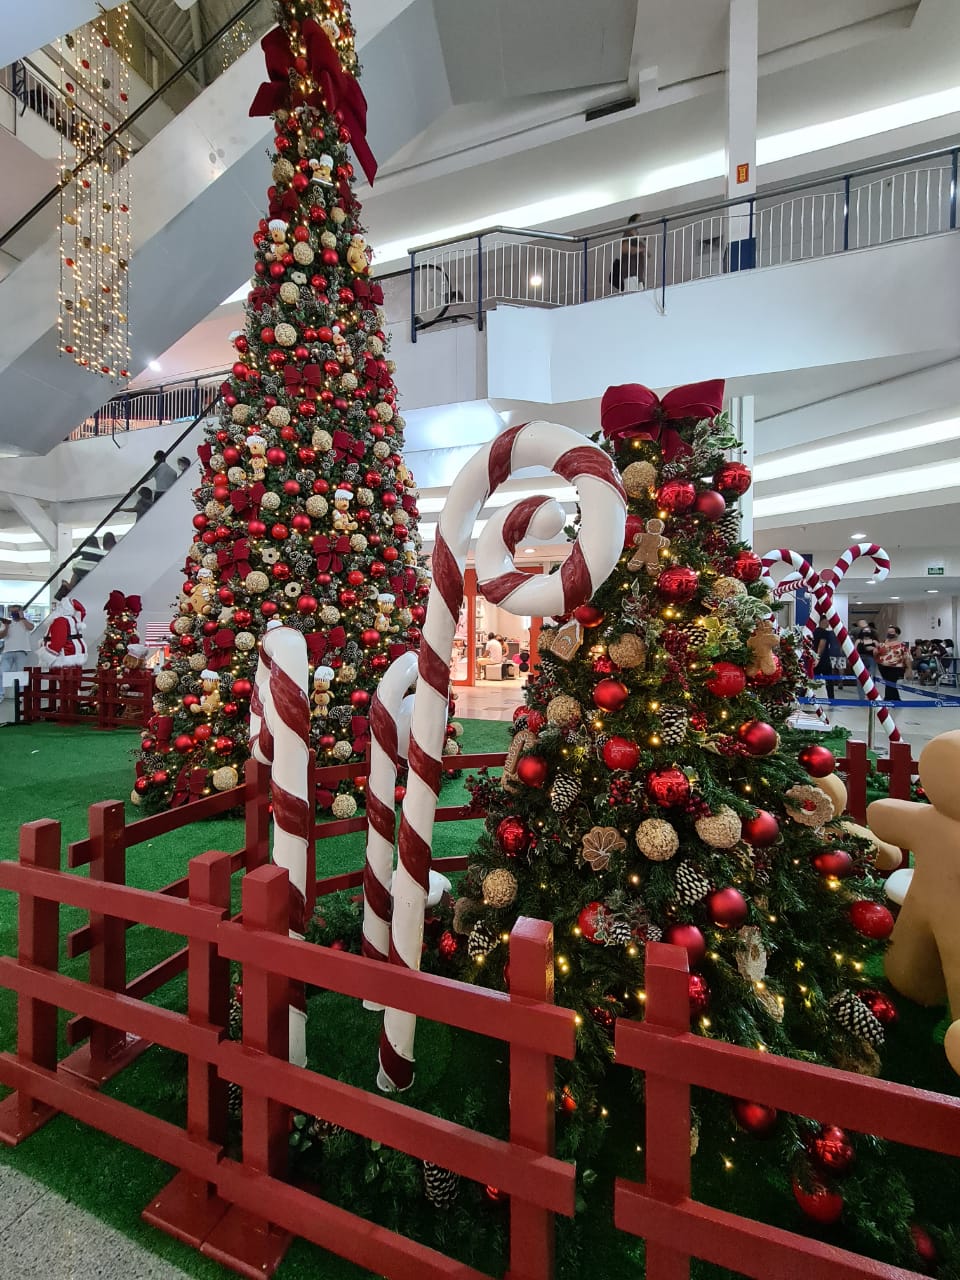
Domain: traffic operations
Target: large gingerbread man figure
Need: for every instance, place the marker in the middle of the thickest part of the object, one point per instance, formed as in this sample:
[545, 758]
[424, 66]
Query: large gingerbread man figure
[923, 961]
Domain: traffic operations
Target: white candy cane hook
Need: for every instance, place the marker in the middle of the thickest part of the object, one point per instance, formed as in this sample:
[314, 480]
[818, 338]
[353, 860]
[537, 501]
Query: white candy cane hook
[594, 554]
[279, 736]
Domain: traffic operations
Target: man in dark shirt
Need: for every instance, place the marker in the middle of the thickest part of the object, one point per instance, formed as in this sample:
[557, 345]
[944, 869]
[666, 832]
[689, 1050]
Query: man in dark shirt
[824, 667]
[866, 639]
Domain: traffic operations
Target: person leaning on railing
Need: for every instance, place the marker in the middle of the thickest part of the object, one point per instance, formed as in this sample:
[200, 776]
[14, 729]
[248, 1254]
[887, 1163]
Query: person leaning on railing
[630, 268]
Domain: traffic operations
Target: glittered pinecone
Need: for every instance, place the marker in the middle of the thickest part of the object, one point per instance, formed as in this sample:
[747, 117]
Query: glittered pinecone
[653, 933]
[520, 724]
[729, 524]
[692, 885]
[618, 933]
[440, 1186]
[482, 941]
[563, 792]
[600, 741]
[854, 1016]
[673, 725]
[695, 635]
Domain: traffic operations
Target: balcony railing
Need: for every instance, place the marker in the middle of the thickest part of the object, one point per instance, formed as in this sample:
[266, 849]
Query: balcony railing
[151, 406]
[466, 276]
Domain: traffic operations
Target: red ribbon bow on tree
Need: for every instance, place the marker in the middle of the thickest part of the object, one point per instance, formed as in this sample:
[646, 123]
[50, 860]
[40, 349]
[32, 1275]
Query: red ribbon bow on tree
[281, 206]
[311, 375]
[376, 371]
[324, 549]
[344, 443]
[205, 451]
[360, 733]
[251, 497]
[219, 648]
[634, 412]
[189, 786]
[235, 558]
[118, 603]
[319, 643]
[367, 292]
[337, 90]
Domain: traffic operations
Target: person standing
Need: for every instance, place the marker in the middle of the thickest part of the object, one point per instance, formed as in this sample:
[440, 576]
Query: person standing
[629, 270]
[164, 476]
[893, 660]
[15, 634]
[824, 666]
[866, 639]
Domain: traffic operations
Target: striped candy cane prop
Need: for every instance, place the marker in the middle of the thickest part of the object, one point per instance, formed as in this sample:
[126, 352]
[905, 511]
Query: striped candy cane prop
[279, 736]
[592, 557]
[822, 587]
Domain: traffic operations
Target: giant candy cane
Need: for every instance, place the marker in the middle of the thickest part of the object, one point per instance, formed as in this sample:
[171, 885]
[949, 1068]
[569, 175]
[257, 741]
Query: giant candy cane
[592, 557]
[822, 587]
[279, 736]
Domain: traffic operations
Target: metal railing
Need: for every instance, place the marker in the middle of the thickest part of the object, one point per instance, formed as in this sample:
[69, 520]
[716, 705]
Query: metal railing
[463, 277]
[151, 406]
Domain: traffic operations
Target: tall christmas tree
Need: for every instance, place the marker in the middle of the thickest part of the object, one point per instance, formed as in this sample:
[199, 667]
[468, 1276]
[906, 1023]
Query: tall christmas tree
[647, 796]
[306, 511]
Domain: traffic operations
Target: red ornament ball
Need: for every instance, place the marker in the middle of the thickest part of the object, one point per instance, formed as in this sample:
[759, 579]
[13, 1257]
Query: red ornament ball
[758, 737]
[699, 991]
[710, 504]
[747, 566]
[690, 938]
[591, 919]
[818, 1202]
[224, 745]
[676, 495]
[754, 1117]
[359, 698]
[833, 863]
[620, 753]
[276, 456]
[532, 770]
[761, 830]
[727, 908]
[307, 604]
[726, 680]
[667, 787]
[369, 637]
[818, 761]
[268, 608]
[764, 679]
[141, 785]
[202, 732]
[183, 742]
[448, 945]
[513, 837]
[832, 1151]
[733, 478]
[610, 695]
[879, 1004]
[871, 919]
[301, 522]
[923, 1244]
[241, 688]
[678, 584]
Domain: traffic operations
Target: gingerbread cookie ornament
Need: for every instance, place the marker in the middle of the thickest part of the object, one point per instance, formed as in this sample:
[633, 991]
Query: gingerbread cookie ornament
[648, 546]
[763, 645]
[923, 960]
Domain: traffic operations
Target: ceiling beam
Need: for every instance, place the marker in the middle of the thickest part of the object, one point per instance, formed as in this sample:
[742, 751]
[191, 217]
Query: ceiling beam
[30, 511]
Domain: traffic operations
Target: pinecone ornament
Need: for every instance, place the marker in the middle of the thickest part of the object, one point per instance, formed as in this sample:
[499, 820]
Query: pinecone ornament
[729, 524]
[440, 1186]
[600, 741]
[854, 1016]
[673, 725]
[564, 792]
[695, 635]
[482, 941]
[692, 885]
[619, 933]
[653, 933]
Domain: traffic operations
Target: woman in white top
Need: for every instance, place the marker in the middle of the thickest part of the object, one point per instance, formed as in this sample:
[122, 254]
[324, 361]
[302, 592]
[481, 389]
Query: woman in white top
[15, 634]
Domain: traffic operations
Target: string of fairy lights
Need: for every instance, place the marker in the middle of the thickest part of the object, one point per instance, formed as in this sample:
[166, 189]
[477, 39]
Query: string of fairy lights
[93, 312]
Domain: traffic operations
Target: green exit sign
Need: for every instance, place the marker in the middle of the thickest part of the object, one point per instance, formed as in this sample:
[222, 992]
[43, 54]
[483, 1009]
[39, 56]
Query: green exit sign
[934, 571]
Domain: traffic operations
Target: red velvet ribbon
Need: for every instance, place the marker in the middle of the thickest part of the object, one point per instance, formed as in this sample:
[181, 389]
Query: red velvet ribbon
[204, 453]
[337, 89]
[263, 295]
[324, 548]
[376, 370]
[344, 443]
[634, 412]
[281, 206]
[360, 734]
[311, 375]
[235, 558]
[365, 292]
[118, 603]
[189, 786]
[251, 497]
[320, 643]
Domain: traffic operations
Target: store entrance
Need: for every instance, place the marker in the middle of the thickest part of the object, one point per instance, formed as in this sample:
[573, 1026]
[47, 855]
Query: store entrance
[474, 660]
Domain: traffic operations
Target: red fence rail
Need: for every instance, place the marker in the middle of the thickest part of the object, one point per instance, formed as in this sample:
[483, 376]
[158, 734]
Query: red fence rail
[110, 699]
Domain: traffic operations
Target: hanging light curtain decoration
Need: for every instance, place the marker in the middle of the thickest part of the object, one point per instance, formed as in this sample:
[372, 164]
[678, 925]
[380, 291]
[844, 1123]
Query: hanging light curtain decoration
[93, 326]
[235, 43]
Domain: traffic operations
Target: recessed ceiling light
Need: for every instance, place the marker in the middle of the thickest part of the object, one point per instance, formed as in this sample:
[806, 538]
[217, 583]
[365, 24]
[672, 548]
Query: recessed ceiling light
[529, 550]
[154, 365]
[894, 597]
[932, 591]
[858, 535]
[535, 281]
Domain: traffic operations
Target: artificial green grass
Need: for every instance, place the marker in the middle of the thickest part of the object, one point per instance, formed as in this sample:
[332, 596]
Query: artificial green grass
[48, 771]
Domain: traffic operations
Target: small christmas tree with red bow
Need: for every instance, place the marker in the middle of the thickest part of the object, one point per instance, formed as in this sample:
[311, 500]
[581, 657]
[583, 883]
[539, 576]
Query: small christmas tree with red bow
[120, 646]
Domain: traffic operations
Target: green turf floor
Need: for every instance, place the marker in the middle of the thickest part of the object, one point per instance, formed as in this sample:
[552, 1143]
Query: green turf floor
[47, 771]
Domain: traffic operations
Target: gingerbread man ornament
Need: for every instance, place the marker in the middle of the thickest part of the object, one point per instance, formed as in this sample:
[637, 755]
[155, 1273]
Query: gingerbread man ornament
[763, 642]
[923, 960]
[647, 548]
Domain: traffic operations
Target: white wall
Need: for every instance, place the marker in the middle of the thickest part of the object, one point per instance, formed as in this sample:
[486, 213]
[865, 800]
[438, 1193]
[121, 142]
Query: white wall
[920, 620]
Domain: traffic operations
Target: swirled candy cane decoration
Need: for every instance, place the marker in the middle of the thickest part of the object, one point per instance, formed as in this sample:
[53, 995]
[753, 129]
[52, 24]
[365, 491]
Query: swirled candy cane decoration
[822, 587]
[279, 736]
[593, 555]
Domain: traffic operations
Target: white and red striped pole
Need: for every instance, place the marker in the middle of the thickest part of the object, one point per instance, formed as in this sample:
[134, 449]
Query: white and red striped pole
[592, 557]
[822, 586]
[280, 737]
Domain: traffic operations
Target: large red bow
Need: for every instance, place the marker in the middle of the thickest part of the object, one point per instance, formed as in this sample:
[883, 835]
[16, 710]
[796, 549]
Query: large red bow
[189, 786]
[251, 497]
[117, 603]
[376, 371]
[360, 734]
[204, 453]
[324, 548]
[337, 89]
[281, 206]
[634, 412]
[344, 443]
[311, 375]
[219, 648]
[367, 292]
[319, 643]
[235, 558]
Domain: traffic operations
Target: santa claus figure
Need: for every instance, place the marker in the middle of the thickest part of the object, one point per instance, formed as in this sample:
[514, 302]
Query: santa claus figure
[62, 644]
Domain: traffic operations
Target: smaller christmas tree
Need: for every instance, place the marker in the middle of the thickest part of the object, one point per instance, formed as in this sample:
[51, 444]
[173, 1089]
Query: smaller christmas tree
[120, 647]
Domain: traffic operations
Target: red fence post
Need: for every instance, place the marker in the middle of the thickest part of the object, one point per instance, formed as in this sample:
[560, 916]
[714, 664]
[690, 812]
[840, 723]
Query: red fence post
[188, 1207]
[256, 814]
[900, 767]
[38, 943]
[667, 1102]
[242, 1241]
[532, 1099]
[855, 767]
[108, 1050]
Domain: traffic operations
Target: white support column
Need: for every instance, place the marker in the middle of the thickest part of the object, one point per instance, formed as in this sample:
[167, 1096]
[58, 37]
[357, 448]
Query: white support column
[742, 418]
[62, 550]
[30, 510]
[741, 146]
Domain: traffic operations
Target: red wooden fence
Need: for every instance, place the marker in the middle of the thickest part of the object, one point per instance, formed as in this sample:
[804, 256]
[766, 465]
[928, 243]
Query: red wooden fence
[110, 699]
